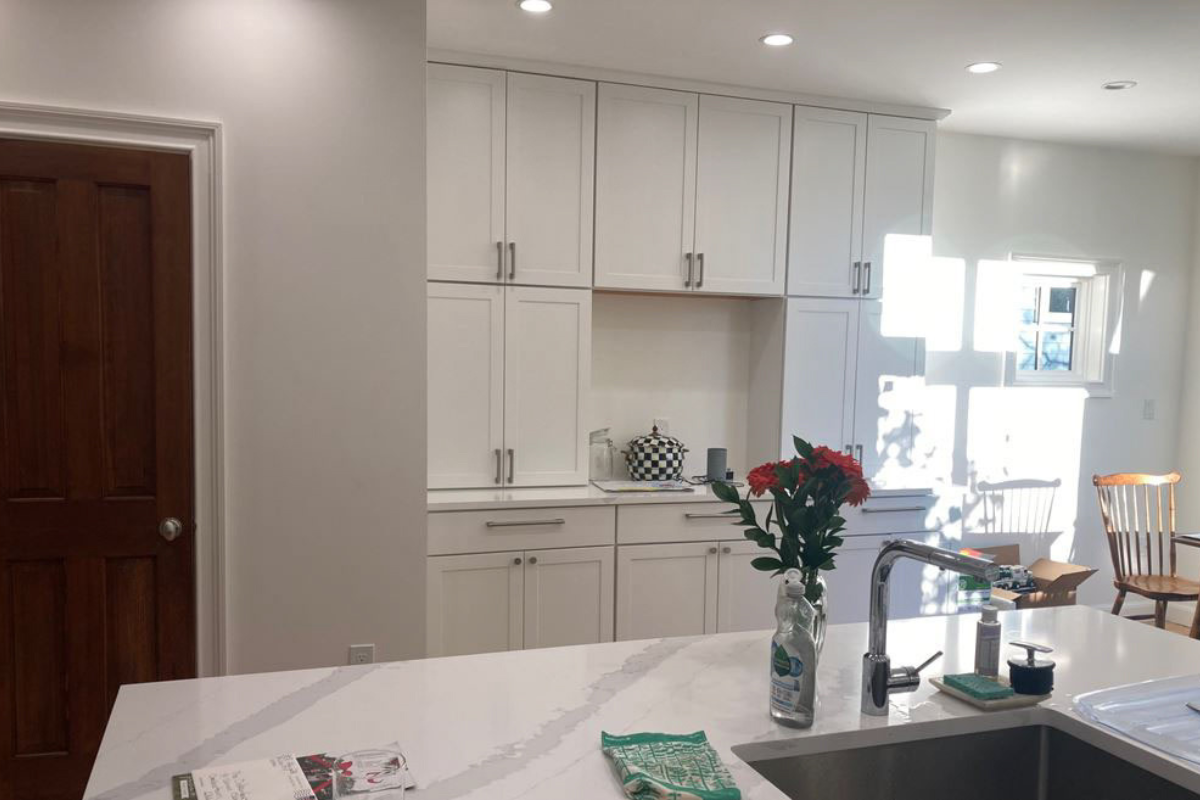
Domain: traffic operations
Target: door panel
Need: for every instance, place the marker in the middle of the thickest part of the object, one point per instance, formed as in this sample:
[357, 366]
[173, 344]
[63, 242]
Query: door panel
[899, 192]
[645, 187]
[819, 372]
[97, 444]
[829, 155]
[465, 113]
[915, 588]
[742, 195]
[547, 374]
[746, 601]
[569, 596]
[551, 144]
[666, 590]
[466, 385]
[474, 603]
[887, 393]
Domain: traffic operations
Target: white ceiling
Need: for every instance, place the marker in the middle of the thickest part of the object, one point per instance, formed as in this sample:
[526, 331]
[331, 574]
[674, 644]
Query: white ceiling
[1056, 53]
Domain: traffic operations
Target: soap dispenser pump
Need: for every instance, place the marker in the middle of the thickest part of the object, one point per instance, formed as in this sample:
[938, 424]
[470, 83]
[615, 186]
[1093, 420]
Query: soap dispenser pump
[1029, 674]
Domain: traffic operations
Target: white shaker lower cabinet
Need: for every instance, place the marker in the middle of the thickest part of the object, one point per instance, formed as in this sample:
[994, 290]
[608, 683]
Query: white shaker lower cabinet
[474, 603]
[666, 590]
[569, 596]
[745, 596]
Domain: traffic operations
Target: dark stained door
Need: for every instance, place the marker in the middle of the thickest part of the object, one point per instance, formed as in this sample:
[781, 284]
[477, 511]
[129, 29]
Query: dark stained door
[95, 448]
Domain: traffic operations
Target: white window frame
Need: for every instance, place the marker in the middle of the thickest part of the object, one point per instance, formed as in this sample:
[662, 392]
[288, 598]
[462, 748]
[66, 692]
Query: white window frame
[1094, 343]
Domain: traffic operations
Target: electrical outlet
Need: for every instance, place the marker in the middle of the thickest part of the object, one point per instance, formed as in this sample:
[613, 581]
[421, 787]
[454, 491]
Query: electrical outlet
[663, 424]
[1147, 409]
[362, 654]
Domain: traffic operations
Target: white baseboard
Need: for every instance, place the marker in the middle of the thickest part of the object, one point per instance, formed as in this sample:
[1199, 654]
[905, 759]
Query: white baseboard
[1179, 613]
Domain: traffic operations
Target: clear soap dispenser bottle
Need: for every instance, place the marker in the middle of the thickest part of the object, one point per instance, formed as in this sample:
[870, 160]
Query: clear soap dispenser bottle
[987, 643]
[793, 656]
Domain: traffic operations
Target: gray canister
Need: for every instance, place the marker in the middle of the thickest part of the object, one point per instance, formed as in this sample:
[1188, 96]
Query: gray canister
[717, 456]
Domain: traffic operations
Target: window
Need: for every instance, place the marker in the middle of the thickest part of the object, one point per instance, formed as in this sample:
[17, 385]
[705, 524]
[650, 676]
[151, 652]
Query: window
[1065, 323]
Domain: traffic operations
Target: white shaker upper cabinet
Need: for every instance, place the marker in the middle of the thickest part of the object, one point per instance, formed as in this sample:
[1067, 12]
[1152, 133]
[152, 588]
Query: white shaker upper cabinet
[742, 196]
[819, 372]
[465, 165]
[829, 155]
[547, 378]
[569, 596]
[465, 371]
[645, 187]
[550, 166]
[899, 195]
[889, 383]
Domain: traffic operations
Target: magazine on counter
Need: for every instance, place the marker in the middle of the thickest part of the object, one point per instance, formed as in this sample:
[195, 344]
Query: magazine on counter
[372, 774]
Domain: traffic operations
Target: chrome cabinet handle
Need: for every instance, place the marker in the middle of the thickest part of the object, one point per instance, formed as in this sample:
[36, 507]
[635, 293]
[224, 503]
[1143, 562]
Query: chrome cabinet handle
[712, 551]
[849, 449]
[700, 267]
[687, 282]
[709, 516]
[499, 466]
[170, 528]
[870, 510]
[499, 261]
[858, 453]
[511, 464]
[726, 550]
[516, 562]
[533, 559]
[521, 523]
[854, 289]
[867, 285]
[512, 261]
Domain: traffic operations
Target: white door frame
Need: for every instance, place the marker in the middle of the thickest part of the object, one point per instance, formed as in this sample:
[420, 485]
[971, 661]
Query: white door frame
[201, 141]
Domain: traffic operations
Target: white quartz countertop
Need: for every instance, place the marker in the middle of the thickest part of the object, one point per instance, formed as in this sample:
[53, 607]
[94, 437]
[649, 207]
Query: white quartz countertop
[527, 724]
[564, 496]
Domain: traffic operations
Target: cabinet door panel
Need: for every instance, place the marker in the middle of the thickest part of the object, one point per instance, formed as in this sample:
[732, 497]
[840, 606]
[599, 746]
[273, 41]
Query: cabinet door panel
[899, 192]
[547, 371]
[746, 599]
[550, 167]
[915, 588]
[819, 372]
[887, 393]
[742, 195]
[645, 187]
[829, 154]
[465, 164]
[474, 604]
[465, 371]
[666, 590]
[569, 596]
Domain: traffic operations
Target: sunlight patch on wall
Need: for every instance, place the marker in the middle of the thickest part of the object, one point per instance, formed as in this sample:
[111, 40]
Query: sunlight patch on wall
[922, 294]
[996, 300]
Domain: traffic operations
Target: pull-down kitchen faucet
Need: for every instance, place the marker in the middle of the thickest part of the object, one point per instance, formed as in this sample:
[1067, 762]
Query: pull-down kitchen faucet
[879, 679]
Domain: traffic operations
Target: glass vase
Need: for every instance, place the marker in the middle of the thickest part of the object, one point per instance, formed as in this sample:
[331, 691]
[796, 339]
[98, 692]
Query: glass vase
[816, 591]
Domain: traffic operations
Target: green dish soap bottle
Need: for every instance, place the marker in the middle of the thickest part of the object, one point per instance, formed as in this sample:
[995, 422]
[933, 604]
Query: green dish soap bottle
[793, 656]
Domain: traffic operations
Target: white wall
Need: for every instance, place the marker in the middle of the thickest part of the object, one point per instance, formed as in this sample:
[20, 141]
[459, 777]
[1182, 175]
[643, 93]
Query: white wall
[995, 196]
[322, 104]
[1189, 425]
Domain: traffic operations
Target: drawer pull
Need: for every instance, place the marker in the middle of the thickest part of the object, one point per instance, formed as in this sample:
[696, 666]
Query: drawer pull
[869, 510]
[721, 515]
[520, 523]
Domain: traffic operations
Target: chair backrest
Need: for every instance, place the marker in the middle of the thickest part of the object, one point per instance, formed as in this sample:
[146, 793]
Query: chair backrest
[1024, 506]
[1135, 521]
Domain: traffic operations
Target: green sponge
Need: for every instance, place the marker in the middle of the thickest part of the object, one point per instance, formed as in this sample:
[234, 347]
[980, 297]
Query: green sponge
[978, 686]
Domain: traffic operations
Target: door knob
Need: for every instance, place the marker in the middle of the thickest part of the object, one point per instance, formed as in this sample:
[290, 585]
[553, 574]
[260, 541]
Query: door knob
[170, 528]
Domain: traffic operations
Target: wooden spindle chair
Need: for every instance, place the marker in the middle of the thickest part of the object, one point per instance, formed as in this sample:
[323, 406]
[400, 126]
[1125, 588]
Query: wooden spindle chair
[1139, 528]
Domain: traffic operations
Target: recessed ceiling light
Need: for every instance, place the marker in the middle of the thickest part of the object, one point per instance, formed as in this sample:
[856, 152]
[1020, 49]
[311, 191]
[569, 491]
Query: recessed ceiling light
[776, 40]
[984, 67]
[535, 6]
[1116, 86]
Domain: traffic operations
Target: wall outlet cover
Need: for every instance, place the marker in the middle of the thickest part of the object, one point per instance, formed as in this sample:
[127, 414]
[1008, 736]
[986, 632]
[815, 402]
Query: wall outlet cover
[362, 654]
[1148, 409]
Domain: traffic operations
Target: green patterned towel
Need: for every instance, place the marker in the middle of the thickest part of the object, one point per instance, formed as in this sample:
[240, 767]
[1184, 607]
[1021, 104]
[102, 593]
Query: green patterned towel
[663, 766]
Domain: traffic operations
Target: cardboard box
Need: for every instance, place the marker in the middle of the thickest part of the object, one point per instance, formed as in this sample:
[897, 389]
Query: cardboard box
[1056, 581]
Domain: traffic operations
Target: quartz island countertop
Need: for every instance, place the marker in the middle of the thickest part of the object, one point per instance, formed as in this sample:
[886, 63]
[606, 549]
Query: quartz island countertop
[527, 724]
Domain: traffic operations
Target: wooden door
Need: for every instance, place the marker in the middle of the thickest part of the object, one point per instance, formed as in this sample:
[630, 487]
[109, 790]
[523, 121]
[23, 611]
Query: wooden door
[899, 192]
[746, 597]
[96, 447]
[742, 172]
[829, 156]
[888, 387]
[547, 375]
[465, 165]
[473, 604]
[645, 187]
[819, 373]
[551, 145]
[666, 590]
[569, 596]
[465, 371]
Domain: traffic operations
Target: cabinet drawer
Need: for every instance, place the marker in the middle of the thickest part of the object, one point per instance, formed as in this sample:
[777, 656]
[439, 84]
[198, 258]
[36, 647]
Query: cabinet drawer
[519, 529]
[890, 515]
[680, 522]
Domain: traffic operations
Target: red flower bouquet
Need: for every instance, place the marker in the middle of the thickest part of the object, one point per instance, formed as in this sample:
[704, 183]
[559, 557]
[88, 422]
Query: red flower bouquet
[808, 491]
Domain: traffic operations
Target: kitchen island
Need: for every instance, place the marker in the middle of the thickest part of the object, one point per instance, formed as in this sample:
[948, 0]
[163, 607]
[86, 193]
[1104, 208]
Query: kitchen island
[527, 724]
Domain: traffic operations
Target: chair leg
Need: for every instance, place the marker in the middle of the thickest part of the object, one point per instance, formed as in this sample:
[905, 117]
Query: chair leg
[1120, 601]
[1160, 613]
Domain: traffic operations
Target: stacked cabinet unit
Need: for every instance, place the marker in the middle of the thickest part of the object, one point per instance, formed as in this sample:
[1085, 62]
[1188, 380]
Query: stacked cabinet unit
[691, 192]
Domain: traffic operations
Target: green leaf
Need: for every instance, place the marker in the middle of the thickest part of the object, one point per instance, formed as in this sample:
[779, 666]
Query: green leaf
[803, 448]
[766, 564]
[726, 492]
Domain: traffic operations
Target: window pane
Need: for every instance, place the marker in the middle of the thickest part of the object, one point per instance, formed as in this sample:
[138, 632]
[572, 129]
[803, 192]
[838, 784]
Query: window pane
[1056, 351]
[1061, 305]
[1027, 350]
[1029, 304]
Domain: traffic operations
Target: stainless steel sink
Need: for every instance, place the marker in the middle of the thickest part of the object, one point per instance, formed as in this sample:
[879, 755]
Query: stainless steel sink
[1031, 763]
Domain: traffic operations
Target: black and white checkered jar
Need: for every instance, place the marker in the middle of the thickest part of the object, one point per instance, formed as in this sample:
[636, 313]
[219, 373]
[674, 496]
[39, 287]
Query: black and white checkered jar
[655, 457]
